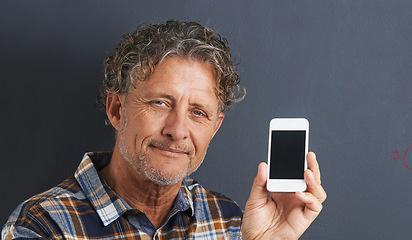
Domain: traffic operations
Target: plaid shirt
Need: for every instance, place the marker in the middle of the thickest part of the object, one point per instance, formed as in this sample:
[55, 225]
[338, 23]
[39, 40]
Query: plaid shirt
[84, 207]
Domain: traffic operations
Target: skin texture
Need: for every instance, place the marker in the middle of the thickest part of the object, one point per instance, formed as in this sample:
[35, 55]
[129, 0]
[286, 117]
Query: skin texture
[164, 128]
[283, 215]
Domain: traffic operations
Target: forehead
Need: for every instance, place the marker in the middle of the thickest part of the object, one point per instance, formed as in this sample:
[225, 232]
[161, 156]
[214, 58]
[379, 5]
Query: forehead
[182, 76]
[185, 65]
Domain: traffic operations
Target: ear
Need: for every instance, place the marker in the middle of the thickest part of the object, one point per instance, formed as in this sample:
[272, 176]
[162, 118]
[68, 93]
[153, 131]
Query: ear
[114, 109]
[219, 122]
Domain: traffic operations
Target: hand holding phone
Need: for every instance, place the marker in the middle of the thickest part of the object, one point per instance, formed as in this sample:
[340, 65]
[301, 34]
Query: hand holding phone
[287, 151]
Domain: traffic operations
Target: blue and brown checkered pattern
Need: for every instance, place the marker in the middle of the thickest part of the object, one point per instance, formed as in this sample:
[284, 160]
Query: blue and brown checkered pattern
[84, 207]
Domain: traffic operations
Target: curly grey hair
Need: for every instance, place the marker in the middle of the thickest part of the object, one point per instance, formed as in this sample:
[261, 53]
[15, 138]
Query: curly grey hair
[137, 55]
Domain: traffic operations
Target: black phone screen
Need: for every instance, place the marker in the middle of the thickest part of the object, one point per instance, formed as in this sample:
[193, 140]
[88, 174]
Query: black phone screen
[287, 154]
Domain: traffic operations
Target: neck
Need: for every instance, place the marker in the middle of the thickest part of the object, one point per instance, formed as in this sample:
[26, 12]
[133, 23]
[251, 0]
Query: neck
[152, 199]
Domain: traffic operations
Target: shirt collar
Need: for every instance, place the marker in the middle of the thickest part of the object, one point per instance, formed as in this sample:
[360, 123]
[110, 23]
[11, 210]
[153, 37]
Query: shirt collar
[108, 205]
[105, 201]
[186, 195]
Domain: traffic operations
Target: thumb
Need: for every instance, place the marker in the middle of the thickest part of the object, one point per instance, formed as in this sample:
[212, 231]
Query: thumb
[259, 193]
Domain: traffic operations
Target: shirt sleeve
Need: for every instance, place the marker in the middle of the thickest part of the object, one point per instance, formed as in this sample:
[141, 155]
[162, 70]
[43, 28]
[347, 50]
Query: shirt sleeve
[26, 223]
[10, 231]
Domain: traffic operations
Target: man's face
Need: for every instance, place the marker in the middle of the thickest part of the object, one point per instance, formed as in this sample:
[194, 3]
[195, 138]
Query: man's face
[169, 119]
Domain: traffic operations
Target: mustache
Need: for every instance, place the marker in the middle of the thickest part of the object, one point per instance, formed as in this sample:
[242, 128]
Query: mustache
[171, 146]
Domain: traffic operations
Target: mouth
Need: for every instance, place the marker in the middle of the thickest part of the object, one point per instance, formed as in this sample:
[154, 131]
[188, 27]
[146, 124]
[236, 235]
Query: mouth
[169, 150]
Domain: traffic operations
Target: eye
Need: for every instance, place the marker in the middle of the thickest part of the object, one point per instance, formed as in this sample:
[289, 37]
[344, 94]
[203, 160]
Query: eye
[158, 102]
[199, 113]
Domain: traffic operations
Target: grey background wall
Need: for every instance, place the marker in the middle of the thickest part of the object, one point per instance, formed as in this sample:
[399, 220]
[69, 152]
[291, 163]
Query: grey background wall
[344, 65]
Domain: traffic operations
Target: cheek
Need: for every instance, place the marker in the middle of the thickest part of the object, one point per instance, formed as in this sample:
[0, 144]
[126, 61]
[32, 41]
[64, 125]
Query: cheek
[148, 117]
[138, 126]
[201, 139]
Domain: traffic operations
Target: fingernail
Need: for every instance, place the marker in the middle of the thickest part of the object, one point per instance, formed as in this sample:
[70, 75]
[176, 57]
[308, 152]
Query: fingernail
[314, 154]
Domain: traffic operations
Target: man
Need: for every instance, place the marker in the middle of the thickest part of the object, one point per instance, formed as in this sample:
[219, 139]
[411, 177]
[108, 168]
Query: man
[166, 90]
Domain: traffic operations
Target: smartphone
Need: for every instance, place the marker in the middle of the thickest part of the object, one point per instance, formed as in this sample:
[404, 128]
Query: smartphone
[287, 151]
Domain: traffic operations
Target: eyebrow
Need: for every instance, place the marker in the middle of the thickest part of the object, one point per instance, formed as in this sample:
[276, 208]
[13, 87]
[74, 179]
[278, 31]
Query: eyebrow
[157, 94]
[172, 98]
[163, 95]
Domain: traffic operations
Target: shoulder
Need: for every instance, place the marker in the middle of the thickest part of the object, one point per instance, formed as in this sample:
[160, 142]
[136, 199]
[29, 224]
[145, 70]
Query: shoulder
[34, 217]
[68, 189]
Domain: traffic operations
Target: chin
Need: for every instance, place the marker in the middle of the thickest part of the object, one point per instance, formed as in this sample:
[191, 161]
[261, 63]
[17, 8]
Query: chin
[165, 174]
[159, 178]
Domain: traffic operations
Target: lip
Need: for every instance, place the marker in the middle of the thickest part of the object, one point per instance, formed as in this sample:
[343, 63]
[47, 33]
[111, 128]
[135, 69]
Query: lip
[170, 151]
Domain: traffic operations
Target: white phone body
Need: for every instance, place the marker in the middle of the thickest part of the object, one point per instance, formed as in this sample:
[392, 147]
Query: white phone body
[287, 151]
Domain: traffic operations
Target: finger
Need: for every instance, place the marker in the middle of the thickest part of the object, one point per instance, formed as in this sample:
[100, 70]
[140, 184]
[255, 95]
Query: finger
[314, 166]
[313, 186]
[259, 193]
[312, 205]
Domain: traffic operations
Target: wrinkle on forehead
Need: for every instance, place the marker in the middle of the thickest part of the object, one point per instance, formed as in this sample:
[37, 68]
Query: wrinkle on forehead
[141, 75]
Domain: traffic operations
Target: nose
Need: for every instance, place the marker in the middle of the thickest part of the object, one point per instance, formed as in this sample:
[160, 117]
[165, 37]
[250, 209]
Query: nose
[176, 126]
